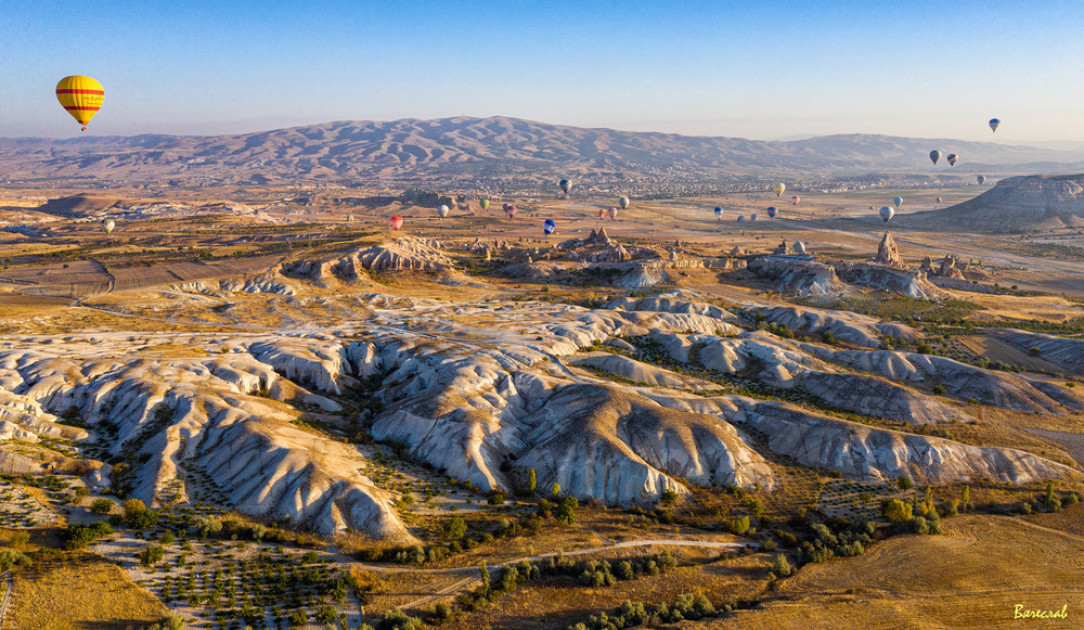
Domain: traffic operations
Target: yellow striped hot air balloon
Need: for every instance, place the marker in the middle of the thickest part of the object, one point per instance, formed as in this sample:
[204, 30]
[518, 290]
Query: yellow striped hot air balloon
[81, 96]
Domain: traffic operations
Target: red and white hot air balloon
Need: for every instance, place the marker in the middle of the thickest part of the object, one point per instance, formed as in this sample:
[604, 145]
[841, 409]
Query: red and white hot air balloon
[396, 222]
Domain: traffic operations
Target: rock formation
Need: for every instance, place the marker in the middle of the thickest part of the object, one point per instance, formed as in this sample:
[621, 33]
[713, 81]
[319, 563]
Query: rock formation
[887, 253]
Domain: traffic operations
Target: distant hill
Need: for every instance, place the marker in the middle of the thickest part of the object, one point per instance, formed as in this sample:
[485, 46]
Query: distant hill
[1016, 204]
[475, 149]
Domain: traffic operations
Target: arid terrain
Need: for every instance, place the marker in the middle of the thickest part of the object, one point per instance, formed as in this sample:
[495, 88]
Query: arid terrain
[254, 404]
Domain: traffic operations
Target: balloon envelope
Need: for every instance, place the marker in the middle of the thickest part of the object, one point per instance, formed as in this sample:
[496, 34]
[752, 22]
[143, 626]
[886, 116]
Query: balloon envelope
[613, 214]
[778, 189]
[81, 96]
[741, 218]
[886, 213]
[442, 210]
[934, 156]
[565, 185]
[952, 159]
[602, 213]
[980, 179]
[772, 212]
[510, 210]
[549, 226]
[396, 222]
[795, 199]
[484, 203]
[994, 124]
[718, 213]
[753, 217]
[938, 200]
[108, 226]
[898, 201]
[624, 202]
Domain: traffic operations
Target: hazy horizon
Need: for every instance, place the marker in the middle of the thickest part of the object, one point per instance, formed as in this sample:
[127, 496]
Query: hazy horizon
[762, 71]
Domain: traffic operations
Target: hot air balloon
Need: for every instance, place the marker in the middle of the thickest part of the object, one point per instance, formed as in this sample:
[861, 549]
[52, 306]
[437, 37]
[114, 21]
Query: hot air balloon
[952, 159]
[718, 213]
[602, 213]
[741, 218]
[613, 214]
[772, 212]
[898, 201]
[795, 199]
[549, 226]
[510, 210]
[798, 248]
[565, 185]
[886, 213]
[81, 96]
[934, 156]
[108, 225]
[872, 208]
[396, 222]
[994, 124]
[753, 217]
[484, 203]
[778, 189]
[442, 210]
[938, 200]
[980, 179]
[624, 202]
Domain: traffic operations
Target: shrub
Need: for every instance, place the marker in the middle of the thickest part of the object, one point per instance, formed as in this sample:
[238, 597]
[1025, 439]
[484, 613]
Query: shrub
[398, 620]
[669, 497]
[905, 483]
[151, 555]
[496, 497]
[781, 567]
[738, 525]
[896, 511]
[566, 510]
[940, 390]
[101, 506]
[455, 528]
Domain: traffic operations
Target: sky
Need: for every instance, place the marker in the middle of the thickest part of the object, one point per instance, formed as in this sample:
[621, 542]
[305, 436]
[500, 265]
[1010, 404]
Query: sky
[753, 69]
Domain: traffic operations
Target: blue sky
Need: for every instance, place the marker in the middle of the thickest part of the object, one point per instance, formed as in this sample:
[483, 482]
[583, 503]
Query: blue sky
[750, 69]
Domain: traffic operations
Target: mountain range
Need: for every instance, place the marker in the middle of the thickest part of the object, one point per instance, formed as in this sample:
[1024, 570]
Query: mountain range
[497, 149]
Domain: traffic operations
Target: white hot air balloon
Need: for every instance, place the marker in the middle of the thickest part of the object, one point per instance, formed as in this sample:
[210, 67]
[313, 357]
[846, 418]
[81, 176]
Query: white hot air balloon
[108, 225]
[886, 212]
[442, 210]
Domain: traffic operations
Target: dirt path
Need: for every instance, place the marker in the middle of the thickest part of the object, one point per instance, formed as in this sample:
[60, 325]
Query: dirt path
[10, 583]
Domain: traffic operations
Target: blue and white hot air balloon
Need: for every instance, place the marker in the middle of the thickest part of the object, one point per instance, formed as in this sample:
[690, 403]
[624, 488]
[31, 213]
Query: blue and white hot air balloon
[549, 226]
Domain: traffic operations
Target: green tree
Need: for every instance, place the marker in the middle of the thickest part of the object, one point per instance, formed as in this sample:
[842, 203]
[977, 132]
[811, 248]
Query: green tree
[897, 511]
[965, 495]
[566, 510]
[101, 506]
[905, 483]
[781, 567]
[532, 480]
[151, 555]
[556, 489]
[455, 528]
[485, 577]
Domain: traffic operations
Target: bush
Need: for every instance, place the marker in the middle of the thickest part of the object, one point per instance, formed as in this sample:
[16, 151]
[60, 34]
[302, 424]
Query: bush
[781, 567]
[151, 555]
[939, 390]
[566, 510]
[496, 497]
[905, 483]
[455, 528]
[896, 511]
[669, 497]
[398, 620]
[738, 525]
[101, 506]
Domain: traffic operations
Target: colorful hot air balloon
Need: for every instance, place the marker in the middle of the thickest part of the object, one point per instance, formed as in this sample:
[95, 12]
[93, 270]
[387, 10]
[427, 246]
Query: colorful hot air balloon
[602, 213]
[980, 179]
[624, 202]
[613, 214]
[81, 96]
[994, 124]
[886, 213]
[795, 199]
[718, 213]
[565, 185]
[898, 201]
[952, 159]
[442, 210]
[396, 222]
[778, 189]
[108, 225]
[934, 156]
[549, 226]
[484, 203]
[938, 200]
[772, 212]
[510, 210]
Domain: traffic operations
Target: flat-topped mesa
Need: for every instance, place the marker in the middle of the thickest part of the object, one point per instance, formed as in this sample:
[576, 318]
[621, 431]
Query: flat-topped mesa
[888, 253]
